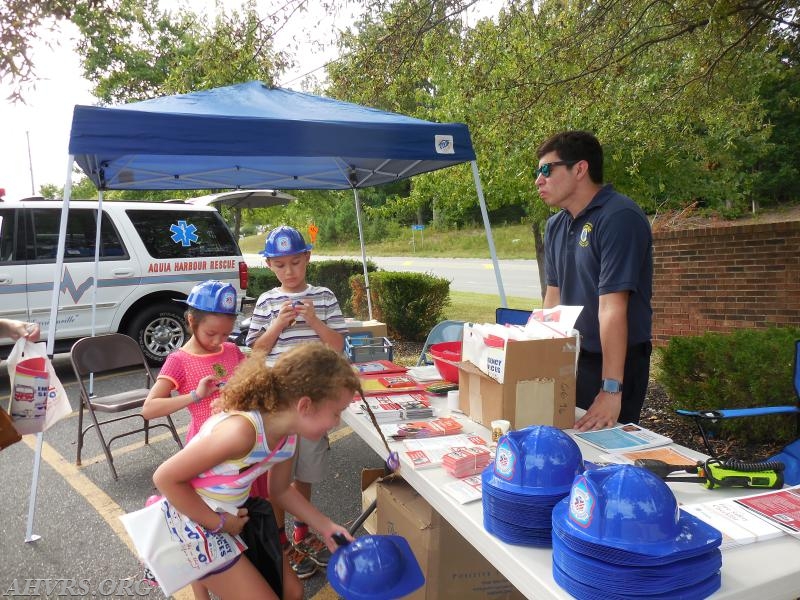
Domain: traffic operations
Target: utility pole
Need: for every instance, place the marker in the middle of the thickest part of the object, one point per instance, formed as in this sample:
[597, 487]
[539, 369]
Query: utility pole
[30, 162]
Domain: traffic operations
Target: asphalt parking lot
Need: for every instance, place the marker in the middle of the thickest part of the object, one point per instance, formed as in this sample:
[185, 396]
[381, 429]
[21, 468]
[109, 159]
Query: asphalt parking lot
[83, 550]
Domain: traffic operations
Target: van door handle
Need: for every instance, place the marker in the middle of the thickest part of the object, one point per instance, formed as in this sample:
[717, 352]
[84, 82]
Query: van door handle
[122, 273]
[5, 280]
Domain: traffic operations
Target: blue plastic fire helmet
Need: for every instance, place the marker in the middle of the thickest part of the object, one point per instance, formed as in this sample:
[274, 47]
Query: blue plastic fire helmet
[540, 460]
[284, 241]
[629, 508]
[375, 567]
[213, 296]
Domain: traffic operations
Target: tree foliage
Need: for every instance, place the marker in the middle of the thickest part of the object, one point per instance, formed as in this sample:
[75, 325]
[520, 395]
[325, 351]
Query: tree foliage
[146, 52]
[694, 100]
[22, 21]
[686, 96]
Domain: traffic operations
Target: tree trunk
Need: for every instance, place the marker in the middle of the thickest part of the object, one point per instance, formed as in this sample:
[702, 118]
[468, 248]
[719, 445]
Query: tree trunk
[537, 229]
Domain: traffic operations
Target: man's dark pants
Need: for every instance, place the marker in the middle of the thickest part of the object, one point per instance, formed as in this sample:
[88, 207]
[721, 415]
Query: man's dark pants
[634, 386]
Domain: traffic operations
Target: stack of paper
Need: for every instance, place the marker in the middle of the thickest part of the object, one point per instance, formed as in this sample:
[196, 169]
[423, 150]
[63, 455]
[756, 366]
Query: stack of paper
[464, 490]
[737, 525]
[384, 385]
[422, 429]
[463, 462]
[378, 366]
[400, 407]
[427, 453]
[780, 508]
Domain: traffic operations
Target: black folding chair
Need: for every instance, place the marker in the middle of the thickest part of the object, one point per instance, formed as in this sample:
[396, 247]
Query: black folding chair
[102, 354]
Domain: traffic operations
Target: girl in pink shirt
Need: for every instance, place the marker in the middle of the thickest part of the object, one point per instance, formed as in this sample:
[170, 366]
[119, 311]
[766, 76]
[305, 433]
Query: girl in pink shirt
[198, 369]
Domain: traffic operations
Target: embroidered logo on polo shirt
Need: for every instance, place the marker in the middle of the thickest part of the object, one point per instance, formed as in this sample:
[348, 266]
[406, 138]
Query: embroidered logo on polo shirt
[584, 241]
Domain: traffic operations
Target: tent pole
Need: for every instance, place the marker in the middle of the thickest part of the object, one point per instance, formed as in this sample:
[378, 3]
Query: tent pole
[97, 242]
[363, 252]
[489, 237]
[51, 340]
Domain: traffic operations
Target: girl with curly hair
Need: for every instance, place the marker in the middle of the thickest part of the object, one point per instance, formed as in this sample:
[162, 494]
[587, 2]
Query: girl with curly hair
[264, 411]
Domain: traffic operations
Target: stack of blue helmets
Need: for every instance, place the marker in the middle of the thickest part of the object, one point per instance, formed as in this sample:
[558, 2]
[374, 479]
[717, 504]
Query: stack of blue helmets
[533, 469]
[620, 535]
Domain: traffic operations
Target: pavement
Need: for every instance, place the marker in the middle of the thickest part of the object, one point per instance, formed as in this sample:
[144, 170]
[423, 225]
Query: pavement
[83, 550]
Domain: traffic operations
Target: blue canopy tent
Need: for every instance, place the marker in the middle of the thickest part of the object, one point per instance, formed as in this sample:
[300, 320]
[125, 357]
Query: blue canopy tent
[251, 136]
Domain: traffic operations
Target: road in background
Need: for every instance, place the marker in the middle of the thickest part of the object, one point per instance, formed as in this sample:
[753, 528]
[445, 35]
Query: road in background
[476, 275]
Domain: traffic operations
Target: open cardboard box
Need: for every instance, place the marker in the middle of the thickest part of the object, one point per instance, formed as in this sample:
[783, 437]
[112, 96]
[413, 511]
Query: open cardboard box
[453, 568]
[538, 385]
[369, 491]
[373, 328]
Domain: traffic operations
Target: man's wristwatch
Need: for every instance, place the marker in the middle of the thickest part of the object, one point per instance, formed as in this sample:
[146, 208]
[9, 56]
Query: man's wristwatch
[611, 386]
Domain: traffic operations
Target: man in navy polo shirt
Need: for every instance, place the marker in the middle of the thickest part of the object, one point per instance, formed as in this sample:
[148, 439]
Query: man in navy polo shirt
[599, 255]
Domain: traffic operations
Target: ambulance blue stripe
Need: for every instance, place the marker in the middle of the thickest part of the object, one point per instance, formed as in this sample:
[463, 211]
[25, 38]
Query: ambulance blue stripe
[107, 283]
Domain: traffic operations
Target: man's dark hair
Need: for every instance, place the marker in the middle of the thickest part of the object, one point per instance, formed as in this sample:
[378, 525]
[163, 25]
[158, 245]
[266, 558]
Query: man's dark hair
[576, 145]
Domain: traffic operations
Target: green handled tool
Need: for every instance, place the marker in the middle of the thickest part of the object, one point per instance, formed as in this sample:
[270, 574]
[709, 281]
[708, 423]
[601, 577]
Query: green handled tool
[715, 473]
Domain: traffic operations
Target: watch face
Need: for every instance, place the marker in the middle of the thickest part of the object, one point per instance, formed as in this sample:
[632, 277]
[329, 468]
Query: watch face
[612, 386]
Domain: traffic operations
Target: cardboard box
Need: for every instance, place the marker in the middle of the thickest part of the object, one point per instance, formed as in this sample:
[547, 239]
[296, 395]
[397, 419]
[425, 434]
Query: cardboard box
[373, 328]
[369, 492]
[464, 574]
[538, 386]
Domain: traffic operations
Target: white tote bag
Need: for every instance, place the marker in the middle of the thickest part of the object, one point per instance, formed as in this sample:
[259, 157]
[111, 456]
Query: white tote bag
[177, 550]
[37, 399]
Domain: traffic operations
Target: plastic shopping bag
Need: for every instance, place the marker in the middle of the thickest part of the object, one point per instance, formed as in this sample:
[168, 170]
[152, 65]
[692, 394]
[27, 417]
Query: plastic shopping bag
[175, 549]
[37, 399]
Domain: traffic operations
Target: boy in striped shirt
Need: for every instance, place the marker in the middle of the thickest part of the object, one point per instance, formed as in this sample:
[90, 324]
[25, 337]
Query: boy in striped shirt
[295, 313]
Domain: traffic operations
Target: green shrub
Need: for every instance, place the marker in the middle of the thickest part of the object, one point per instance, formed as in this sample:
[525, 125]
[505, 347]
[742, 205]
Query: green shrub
[332, 274]
[259, 280]
[747, 368]
[409, 303]
[335, 275]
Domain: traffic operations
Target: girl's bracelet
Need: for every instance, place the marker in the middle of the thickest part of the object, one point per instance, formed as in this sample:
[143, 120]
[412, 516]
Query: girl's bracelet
[195, 398]
[218, 528]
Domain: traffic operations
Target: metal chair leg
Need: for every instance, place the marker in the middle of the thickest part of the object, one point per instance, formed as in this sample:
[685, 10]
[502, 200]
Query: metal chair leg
[174, 432]
[80, 432]
[106, 449]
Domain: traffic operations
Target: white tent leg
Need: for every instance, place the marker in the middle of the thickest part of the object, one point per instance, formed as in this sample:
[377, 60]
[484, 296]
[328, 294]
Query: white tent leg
[37, 462]
[489, 237]
[363, 252]
[51, 340]
[97, 242]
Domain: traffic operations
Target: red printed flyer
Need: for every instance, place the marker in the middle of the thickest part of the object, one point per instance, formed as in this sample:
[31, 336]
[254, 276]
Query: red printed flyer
[779, 507]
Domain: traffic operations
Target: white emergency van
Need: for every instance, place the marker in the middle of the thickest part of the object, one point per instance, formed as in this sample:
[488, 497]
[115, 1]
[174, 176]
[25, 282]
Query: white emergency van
[151, 256]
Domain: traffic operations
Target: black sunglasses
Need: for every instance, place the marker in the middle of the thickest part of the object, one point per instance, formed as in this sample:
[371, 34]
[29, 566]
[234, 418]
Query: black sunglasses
[547, 168]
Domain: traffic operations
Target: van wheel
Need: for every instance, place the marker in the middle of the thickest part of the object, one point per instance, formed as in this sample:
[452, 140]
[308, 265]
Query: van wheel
[159, 329]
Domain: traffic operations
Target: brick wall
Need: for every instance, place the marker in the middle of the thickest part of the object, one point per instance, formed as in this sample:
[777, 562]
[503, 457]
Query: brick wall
[725, 278]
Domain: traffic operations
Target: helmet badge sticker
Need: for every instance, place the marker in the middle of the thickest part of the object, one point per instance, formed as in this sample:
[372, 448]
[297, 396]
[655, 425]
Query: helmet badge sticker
[581, 504]
[283, 243]
[229, 300]
[505, 460]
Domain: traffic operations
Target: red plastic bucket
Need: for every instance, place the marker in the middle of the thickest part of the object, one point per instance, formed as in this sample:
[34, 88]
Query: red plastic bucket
[446, 351]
